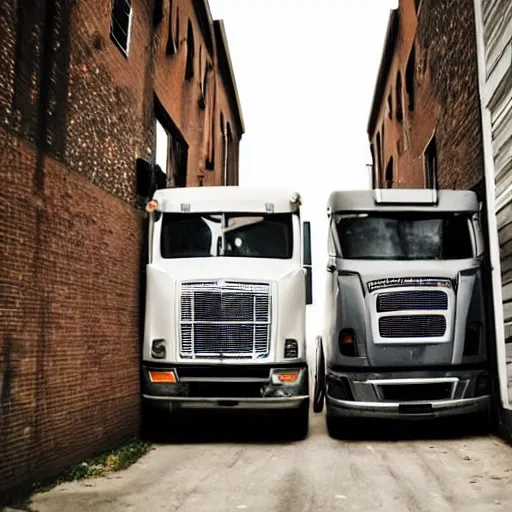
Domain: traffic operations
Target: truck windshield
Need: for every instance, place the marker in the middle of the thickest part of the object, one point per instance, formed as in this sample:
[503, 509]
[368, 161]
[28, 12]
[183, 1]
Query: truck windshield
[186, 235]
[404, 236]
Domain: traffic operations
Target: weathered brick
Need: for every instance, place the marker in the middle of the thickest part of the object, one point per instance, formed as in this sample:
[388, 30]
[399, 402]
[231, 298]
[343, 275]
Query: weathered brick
[75, 114]
[446, 97]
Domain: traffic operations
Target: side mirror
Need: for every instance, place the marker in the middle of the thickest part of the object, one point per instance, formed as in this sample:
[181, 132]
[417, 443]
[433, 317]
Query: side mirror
[307, 262]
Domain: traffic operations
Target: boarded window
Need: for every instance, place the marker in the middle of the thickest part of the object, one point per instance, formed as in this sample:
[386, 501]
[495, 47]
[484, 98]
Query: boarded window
[120, 24]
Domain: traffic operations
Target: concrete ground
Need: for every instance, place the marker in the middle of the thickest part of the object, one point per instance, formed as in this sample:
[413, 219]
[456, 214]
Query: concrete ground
[230, 463]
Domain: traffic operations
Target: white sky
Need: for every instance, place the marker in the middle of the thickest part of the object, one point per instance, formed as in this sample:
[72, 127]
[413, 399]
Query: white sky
[306, 72]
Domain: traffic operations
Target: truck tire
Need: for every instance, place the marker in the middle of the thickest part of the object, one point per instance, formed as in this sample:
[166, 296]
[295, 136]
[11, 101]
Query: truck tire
[319, 391]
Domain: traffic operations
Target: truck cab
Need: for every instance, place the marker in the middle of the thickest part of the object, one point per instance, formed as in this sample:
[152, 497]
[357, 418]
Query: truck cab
[404, 329]
[227, 283]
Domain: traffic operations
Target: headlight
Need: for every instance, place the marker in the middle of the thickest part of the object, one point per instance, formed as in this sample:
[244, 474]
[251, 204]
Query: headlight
[291, 349]
[158, 349]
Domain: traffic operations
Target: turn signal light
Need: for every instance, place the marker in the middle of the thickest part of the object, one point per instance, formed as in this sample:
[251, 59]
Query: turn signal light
[347, 343]
[286, 377]
[159, 377]
[347, 337]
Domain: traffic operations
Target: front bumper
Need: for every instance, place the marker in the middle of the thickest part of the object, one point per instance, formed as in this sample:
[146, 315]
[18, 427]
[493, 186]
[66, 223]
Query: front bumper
[407, 395]
[226, 387]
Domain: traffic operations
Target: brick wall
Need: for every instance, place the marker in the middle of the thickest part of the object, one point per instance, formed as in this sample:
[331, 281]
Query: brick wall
[75, 114]
[442, 34]
[69, 270]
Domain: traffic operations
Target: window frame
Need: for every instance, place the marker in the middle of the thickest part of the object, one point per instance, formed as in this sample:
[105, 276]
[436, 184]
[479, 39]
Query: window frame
[124, 51]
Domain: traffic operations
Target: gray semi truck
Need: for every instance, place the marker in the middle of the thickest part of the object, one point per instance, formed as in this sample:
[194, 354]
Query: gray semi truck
[404, 329]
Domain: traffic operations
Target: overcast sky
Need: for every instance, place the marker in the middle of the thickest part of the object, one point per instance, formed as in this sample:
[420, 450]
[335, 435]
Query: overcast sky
[306, 72]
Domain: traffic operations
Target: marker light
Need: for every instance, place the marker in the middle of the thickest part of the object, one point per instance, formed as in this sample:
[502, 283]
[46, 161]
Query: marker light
[296, 198]
[152, 206]
[285, 377]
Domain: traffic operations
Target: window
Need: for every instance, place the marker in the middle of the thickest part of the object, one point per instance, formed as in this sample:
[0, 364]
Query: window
[379, 156]
[158, 12]
[374, 178]
[430, 160]
[224, 153]
[189, 70]
[202, 99]
[390, 106]
[409, 78]
[186, 235]
[121, 24]
[171, 41]
[177, 29]
[399, 110]
[171, 154]
[231, 167]
[204, 83]
[389, 174]
[404, 236]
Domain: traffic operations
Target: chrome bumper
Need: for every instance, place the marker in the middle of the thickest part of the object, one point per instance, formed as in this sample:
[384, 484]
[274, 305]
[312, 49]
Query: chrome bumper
[407, 410]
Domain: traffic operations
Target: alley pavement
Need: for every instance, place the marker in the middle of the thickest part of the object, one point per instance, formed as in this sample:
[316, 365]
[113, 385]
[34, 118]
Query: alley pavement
[228, 463]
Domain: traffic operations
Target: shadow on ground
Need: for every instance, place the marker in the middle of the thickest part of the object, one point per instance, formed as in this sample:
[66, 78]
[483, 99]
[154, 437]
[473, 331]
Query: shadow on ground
[407, 430]
[226, 427]
[198, 428]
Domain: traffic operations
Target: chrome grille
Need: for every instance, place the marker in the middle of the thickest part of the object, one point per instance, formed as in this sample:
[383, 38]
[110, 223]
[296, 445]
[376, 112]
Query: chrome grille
[225, 319]
[414, 326]
[412, 300]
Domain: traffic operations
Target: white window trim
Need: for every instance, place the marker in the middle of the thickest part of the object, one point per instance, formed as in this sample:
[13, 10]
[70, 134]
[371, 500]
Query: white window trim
[125, 52]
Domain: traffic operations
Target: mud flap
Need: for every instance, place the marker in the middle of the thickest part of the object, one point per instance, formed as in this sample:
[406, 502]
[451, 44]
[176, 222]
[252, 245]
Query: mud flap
[319, 391]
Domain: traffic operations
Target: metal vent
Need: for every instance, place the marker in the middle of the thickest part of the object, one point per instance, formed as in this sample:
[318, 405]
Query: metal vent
[225, 319]
[414, 326]
[412, 300]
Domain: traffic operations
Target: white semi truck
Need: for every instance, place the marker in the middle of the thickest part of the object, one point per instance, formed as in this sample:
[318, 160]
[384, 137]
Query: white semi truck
[228, 279]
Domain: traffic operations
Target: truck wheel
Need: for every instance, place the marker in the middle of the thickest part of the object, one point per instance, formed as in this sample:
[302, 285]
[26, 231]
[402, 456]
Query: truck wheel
[319, 391]
[299, 423]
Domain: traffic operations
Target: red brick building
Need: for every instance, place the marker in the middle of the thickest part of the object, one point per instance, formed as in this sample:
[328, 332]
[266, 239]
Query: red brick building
[93, 93]
[424, 126]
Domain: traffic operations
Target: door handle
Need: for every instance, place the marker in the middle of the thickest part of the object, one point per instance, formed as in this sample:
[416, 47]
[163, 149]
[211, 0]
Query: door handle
[331, 267]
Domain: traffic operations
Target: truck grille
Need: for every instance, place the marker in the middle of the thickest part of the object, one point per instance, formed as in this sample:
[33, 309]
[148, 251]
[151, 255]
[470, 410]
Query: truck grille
[225, 319]
[412, 300]
[414, 326]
